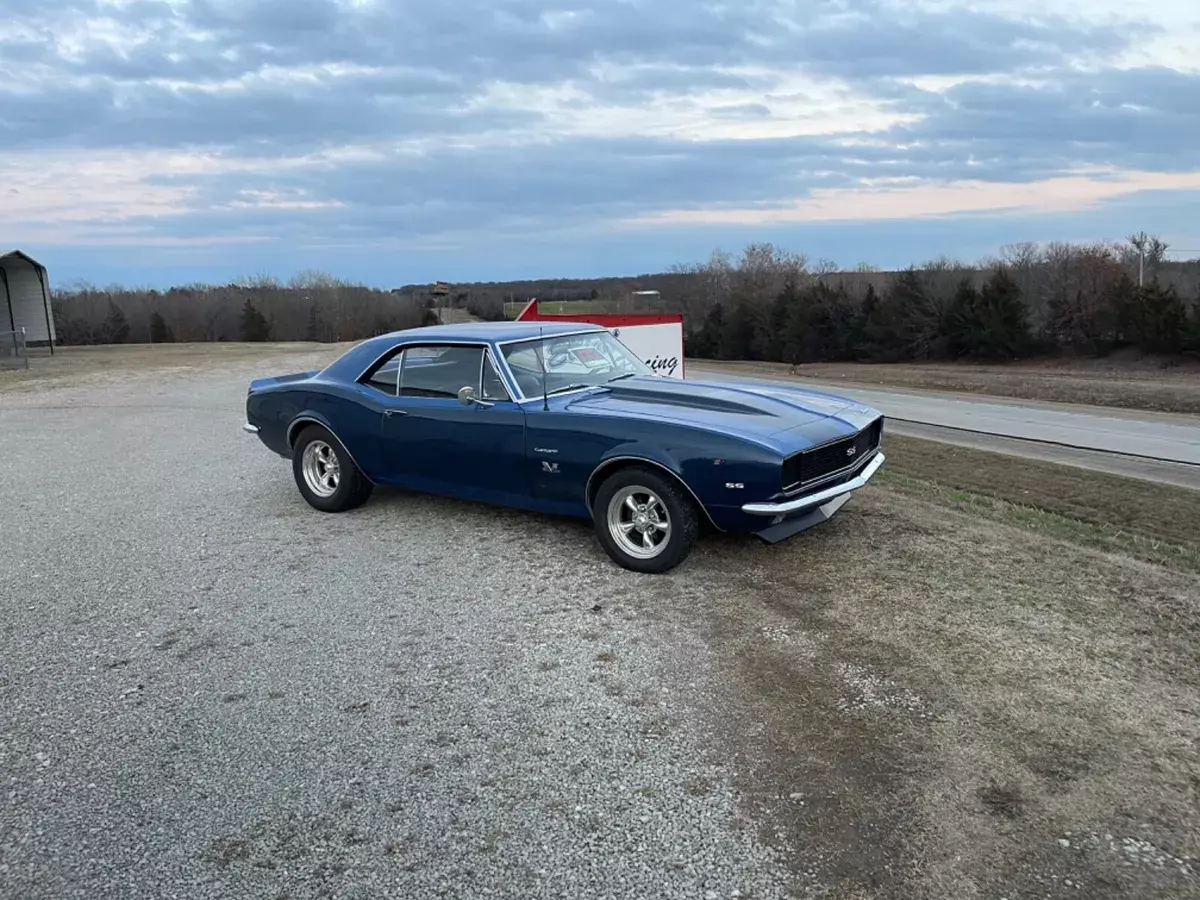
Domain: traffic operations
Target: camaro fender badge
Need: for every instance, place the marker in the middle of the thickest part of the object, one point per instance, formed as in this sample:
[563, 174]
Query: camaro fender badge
[549, 467]
[544, 450]
[735, 485]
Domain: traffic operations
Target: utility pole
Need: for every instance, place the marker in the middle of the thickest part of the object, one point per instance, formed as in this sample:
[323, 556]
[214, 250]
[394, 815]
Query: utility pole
[1139, 241]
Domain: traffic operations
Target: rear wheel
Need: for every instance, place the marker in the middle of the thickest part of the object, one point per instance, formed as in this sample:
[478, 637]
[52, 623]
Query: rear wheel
[644, 520]
[326, 475]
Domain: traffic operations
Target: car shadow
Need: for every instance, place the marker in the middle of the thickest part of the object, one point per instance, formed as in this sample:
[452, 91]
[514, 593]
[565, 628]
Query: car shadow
[713, 548]
[393, 497]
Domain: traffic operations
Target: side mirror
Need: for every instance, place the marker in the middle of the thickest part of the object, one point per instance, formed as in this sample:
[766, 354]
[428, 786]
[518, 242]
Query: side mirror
[466, 396]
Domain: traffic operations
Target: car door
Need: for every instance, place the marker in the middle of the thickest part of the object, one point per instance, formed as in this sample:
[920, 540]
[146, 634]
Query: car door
[435, 442]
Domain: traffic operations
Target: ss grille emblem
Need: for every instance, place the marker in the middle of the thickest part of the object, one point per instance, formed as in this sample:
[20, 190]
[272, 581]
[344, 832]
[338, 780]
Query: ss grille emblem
[851, 451]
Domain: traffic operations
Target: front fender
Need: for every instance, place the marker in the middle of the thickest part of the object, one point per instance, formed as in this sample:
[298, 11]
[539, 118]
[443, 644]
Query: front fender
[719, 474]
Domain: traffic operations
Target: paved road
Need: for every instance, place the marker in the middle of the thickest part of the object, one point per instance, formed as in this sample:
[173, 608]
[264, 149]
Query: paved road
[1155, 446]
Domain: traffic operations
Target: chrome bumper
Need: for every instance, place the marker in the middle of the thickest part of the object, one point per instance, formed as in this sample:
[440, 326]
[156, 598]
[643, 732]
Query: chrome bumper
[249, 429]
[821, 497]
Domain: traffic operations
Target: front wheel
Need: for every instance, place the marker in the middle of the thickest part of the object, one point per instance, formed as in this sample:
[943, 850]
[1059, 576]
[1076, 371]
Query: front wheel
[644, 520]
[326, 475]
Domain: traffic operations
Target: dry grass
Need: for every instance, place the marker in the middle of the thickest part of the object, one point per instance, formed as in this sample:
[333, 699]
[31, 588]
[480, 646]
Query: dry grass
[1131, 384]
[69, 364]
[1149, 521]
[932, 699]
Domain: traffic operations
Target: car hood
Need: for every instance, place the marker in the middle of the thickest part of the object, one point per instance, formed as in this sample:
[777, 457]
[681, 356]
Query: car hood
[752, 409]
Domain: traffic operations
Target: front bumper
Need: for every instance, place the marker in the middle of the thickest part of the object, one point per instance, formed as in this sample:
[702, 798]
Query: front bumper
[820, 497]
[813, 509]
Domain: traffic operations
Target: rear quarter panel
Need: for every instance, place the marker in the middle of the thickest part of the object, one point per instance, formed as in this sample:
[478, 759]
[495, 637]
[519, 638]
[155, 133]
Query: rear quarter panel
[349, 411]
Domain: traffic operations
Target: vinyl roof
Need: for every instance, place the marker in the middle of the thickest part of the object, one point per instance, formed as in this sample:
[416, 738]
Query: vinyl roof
[350, 365]
[491, 331]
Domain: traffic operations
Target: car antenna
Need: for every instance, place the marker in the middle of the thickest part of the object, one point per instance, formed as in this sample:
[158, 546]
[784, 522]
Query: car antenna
[542, 357]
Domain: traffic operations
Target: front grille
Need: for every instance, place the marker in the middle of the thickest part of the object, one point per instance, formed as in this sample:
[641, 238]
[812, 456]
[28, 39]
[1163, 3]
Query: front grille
[812, 465]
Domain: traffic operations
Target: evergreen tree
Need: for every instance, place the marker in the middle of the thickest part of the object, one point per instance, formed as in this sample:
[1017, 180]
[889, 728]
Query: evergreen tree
[831, 321]
[160, 332]
[255, 326]
[1001, 326]
[1191, 336]
[777, 325]
[906, 323]
[795, 329]
[787, 315]
[706, 338]
[1158, 318]
[1121, 307]
[314, 327]
[962, 319]
[737, 337]
[859, 341]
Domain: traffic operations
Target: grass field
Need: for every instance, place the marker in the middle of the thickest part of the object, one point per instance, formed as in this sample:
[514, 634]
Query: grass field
[73, 364]
[969, 703]
[1142, 519]
[980, 680]
[1122, 383]
[992, 690]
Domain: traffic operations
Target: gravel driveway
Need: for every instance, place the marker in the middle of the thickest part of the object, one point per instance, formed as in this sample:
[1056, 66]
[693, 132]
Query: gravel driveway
[208, 689]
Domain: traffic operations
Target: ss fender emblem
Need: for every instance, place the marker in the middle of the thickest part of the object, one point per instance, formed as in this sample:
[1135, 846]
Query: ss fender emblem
[549, 467]
[735, 485]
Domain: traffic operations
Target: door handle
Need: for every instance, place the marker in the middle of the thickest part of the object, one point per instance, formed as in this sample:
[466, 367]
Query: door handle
[395, 412]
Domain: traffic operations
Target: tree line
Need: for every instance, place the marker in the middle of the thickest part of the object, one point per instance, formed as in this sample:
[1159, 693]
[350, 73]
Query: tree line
[1031, 300]
[766, 304]
[313, 306]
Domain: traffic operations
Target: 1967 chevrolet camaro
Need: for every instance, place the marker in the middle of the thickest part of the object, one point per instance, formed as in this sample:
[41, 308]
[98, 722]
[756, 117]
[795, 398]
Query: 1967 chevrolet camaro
[562, 418]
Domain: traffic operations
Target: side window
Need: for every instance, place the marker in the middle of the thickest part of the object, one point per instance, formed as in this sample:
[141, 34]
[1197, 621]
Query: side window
[386, 378]
[439, 371]
[492, 387]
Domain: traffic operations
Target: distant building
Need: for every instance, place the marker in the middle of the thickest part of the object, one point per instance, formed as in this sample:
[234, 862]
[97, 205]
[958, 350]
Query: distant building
[25, 298]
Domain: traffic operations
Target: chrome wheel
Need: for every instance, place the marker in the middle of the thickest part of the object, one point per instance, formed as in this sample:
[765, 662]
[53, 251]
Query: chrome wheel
[322, 471]
[639, 522]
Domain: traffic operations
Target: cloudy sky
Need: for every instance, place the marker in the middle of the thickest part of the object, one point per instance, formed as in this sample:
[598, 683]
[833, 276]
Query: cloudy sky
[391, 141]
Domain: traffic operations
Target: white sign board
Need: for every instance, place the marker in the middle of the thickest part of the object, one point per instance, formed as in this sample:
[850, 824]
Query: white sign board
[658, 346]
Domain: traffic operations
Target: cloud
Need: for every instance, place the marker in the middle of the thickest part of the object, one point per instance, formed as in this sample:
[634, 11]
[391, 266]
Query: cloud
[318, 122]
[227, 72]
[908, 199]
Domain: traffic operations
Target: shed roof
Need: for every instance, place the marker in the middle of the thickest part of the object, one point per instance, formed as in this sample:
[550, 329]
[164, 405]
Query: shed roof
[4, 254]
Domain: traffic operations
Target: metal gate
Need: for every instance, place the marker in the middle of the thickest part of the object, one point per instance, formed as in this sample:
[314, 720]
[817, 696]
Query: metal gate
[14, 354]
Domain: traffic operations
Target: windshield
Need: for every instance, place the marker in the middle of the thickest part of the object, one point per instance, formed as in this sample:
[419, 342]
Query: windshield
[575, 361]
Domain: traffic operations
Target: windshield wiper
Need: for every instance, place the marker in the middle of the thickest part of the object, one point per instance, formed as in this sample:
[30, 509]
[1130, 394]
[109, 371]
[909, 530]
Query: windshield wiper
[619, 377]
[569, 387]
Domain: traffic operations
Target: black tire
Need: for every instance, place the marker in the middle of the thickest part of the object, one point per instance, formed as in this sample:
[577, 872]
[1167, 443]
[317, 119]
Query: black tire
[353, 487]
[682, 517]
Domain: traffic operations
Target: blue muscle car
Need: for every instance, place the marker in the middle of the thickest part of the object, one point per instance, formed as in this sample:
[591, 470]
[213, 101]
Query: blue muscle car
[562, 418]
